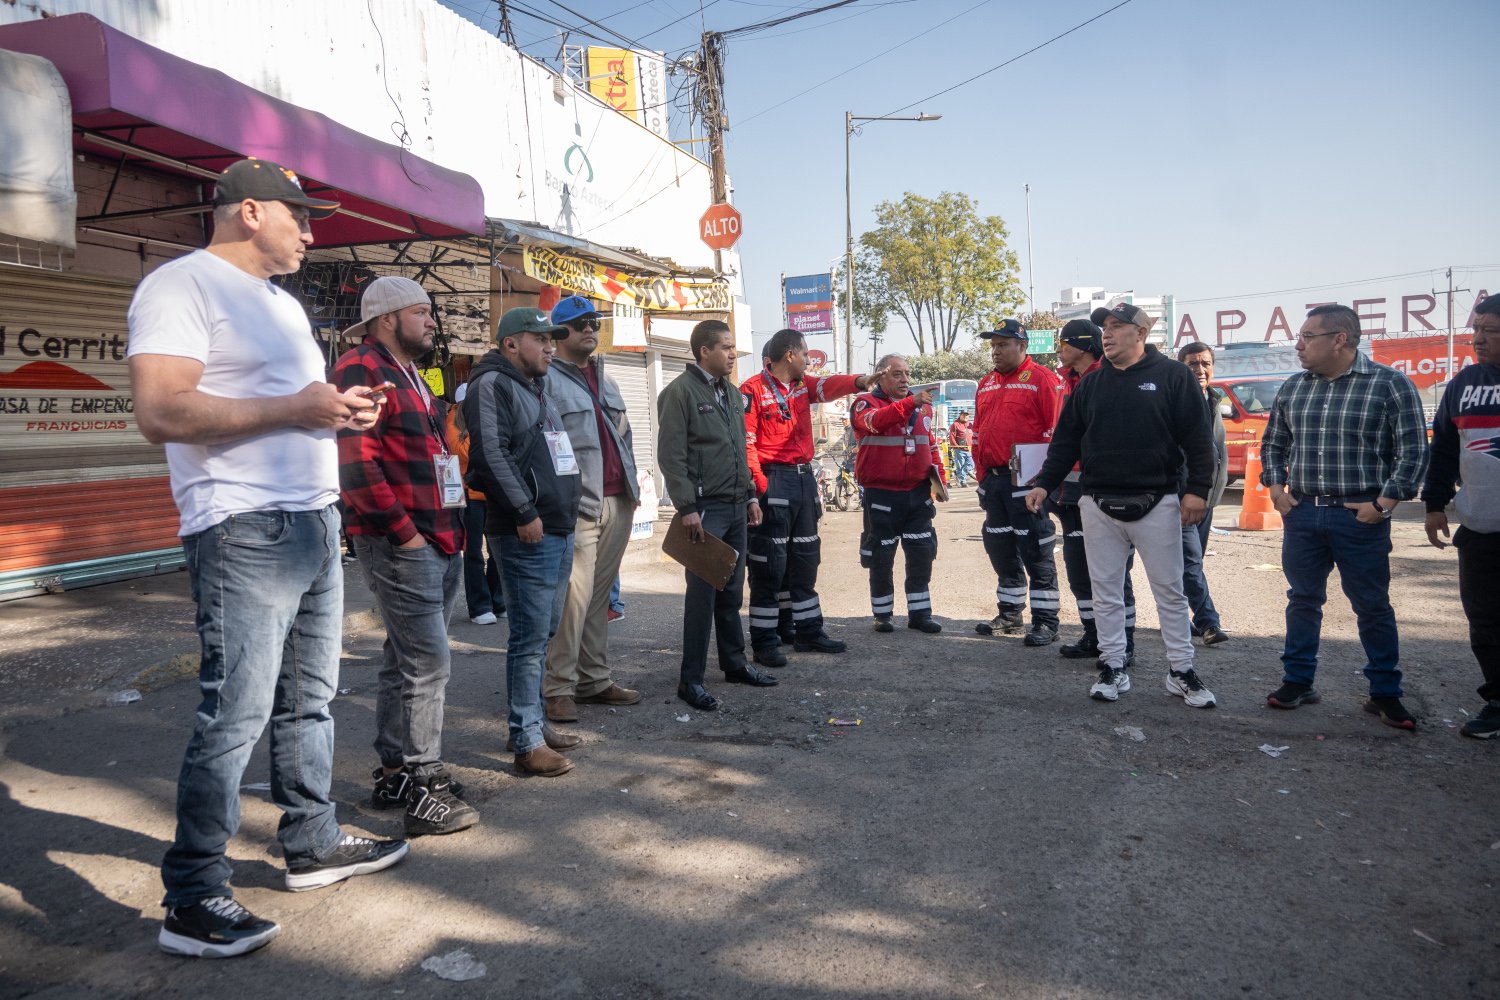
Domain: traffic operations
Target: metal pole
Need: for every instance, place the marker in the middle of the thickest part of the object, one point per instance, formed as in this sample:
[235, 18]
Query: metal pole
[848, 249]
[1450, 323]
[1030, 267]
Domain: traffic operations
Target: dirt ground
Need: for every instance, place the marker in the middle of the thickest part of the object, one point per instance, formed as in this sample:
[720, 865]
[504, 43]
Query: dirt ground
[984, 831]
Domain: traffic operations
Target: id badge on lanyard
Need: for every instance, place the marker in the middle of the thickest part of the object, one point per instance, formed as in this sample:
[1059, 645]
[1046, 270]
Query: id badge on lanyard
[450, 480]
[909, 446]
[561, 449]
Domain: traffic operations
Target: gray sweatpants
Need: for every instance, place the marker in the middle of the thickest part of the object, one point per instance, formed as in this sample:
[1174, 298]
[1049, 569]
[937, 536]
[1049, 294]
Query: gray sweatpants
[1158, 539]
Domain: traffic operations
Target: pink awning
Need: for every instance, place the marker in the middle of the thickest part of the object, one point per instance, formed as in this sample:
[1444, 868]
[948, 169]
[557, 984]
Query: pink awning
[133, 100]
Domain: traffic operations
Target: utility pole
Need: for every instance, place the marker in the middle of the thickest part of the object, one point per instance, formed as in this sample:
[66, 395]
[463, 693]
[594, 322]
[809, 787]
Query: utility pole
[1450, 323]
[504, 30]
[1030, 267]
[875, 340]
[709, 101]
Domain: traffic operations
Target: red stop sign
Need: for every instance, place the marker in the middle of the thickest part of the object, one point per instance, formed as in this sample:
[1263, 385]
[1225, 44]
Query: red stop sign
[720, 226]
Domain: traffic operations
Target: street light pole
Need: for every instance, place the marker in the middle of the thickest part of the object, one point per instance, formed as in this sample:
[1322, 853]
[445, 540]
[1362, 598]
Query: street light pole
[1030, 268]
[849, 119]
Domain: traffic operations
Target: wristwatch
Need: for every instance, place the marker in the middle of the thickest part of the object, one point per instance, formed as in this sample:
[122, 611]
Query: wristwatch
[1385, 512]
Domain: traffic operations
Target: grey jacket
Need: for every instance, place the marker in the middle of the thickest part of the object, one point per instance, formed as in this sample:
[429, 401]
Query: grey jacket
[570, 393]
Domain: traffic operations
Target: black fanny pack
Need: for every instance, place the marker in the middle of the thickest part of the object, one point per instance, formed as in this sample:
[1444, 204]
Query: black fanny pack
[1127, 506]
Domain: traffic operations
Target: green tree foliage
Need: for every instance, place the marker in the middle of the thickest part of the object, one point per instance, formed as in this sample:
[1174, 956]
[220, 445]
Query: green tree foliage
[972, 362]
[939, 265]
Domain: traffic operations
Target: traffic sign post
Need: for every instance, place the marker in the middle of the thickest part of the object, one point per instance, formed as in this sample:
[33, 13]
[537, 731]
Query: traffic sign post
[720, 226]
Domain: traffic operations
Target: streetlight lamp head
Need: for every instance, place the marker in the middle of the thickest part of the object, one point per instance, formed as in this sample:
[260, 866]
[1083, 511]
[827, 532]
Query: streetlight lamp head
[925, 117]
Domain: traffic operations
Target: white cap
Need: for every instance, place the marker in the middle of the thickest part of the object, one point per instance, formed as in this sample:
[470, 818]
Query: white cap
[387, 295]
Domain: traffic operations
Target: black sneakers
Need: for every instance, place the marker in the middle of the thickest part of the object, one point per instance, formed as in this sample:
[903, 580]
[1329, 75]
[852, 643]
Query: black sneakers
[216, 927]
[1291, 695]
[392, 790]
[1391, 712]
[436, 809]
[1485, 725]
[352, 856]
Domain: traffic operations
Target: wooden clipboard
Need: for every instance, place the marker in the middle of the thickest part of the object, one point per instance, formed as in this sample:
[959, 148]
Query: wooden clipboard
[939, 491]
[710, 560]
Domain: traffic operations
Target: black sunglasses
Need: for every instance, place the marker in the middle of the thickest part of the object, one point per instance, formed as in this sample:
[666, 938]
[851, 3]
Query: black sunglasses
[582, 324]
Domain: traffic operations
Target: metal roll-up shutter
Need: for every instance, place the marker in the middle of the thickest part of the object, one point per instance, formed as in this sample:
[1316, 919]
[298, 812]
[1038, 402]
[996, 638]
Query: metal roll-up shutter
[83, 497]
[629, 372]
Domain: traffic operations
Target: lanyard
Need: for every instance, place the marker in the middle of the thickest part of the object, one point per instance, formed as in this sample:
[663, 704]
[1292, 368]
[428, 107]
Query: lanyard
[781, 402]
[409, 372]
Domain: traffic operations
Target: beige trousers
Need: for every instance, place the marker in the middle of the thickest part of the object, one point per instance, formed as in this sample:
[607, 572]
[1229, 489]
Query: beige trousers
[578, 655]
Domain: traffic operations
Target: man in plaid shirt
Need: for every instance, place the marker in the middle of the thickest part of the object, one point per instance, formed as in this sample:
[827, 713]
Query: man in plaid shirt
[404, 514]
[1345, 444]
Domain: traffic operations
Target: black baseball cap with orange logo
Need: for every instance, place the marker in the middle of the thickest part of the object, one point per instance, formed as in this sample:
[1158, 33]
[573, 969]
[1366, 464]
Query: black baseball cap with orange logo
[262, 180]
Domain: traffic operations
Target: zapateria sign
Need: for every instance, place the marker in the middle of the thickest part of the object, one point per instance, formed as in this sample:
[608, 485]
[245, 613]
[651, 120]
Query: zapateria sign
[651, 292]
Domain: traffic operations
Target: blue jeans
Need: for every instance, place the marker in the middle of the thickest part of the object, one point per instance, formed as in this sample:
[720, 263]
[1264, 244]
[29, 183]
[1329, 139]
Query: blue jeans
[1314, 540]
[1194, 582]
[270, 592]
[615, 604]
[481, 575]
[963, 464]
[416, 592]
[535, 580]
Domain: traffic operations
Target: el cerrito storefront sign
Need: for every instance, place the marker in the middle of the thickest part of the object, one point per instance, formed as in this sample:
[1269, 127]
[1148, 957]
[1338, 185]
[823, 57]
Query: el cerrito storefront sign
[40, 395]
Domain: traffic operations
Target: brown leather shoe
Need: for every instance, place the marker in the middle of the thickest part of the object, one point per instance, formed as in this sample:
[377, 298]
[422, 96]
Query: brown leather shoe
[561, 709]
[612, 695]
[553, 738]
[543, 761]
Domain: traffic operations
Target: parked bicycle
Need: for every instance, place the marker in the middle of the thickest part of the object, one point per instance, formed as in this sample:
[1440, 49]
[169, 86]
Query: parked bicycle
[836, 484]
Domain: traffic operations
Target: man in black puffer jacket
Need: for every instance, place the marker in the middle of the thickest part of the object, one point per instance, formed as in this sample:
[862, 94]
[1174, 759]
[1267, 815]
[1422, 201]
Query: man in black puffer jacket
[1135, 424]
[520, 456]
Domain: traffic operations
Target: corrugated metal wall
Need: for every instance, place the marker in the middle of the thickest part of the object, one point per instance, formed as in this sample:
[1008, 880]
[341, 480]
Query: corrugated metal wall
[83, 497]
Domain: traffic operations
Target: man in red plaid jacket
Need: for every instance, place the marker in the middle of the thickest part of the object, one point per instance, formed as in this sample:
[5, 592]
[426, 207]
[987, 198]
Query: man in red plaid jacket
[404, 501]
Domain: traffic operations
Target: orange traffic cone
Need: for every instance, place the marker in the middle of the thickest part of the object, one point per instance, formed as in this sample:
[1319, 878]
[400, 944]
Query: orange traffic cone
[1257, 513]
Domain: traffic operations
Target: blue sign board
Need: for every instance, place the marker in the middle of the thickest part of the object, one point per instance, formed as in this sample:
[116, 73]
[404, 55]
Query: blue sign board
[809, 302]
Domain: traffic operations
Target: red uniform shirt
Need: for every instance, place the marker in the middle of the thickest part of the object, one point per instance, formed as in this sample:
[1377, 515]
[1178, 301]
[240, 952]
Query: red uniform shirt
[1019, 407]
[1071, 378]
[882, 426]
[778, 417]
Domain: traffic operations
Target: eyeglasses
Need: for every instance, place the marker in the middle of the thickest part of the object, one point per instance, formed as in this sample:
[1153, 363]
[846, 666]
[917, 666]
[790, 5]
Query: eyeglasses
[1303, 338]
[584, 324]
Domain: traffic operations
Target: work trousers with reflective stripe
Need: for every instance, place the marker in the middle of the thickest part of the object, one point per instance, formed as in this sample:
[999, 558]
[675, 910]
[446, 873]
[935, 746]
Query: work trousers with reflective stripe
[1076, 562]
[901, 517]
[784, 556]
[1019, 544]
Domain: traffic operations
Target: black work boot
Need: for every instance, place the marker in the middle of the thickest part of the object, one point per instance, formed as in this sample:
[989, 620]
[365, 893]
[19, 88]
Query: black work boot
[1087, 646]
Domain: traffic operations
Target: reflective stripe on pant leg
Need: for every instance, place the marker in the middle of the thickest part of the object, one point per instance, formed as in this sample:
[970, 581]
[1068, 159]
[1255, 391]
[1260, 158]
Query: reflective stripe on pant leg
[880, 537]
[919, 539]
[803, 556]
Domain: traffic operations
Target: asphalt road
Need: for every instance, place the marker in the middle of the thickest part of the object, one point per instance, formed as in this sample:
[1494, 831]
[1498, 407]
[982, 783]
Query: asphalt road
[984, 831]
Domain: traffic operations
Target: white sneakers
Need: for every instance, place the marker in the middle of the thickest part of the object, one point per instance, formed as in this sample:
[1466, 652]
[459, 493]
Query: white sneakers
[1190, 689]
[1185, 685]
[1111, 684]
[488, 618]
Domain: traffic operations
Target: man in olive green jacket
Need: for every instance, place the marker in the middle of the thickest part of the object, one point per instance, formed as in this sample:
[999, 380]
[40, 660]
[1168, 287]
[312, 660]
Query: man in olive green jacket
[701, 453]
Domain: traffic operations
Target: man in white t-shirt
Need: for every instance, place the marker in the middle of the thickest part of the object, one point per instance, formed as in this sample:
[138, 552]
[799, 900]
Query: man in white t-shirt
[227, 375]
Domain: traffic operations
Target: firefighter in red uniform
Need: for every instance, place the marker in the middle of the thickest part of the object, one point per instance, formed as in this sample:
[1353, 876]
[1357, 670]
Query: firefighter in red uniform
[1017, 403]
[779, 446]
[897, 453]
[1080, 345]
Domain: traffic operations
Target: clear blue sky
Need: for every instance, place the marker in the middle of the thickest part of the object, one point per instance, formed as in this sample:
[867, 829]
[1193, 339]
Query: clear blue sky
[1203, 149]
